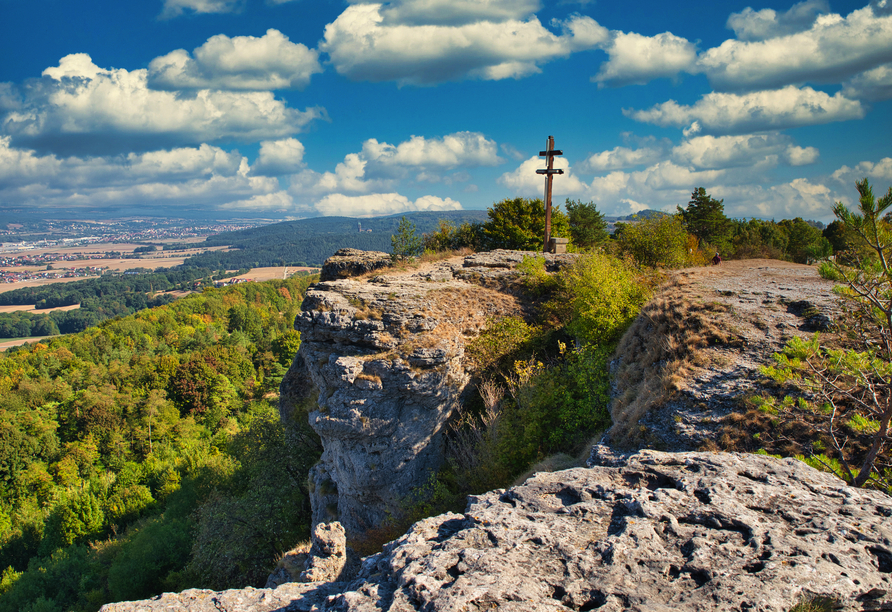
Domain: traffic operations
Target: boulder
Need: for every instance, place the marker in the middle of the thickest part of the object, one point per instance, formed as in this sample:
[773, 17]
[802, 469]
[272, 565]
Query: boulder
[353, 262]
[651, 531]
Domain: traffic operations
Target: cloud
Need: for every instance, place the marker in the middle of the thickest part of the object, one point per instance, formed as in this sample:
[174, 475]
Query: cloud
[621, 157]
[874, 84]
[636, 59]
[724, 113]
[881, 170]
[349, 176]
[240, 63]
[379, 164]
[833, 49]
[455, 12]
[743, 150]
[380, 204]
[80, 108]
[278, 201]
[525, 181]
[277, 157]
[362, 46]
[175, 8]
[458, 149]
[511, 152]
[184, 177]
[767, 23]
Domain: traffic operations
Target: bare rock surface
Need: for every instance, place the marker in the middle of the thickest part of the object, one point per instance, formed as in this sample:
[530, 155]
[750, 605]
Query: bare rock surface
[386, 355]
[651, 531]
[353, 262]
[768, 302]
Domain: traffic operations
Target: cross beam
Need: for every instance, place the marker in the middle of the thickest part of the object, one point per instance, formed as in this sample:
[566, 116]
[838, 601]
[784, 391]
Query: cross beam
[549, 173]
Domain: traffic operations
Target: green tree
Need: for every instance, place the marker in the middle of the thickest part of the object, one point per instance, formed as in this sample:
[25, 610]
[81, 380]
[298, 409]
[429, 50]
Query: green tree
[587, 226]
[705, 218]
[519, 224]
[657, 242]
[853, 386]
[804, 241]
[405, 242]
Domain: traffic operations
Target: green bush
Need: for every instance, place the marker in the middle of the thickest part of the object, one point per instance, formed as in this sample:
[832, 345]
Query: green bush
[553, 409]
[658, 242]
[605, 295]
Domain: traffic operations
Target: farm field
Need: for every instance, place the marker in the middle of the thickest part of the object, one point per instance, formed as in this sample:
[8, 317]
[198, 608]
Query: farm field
[30, 308]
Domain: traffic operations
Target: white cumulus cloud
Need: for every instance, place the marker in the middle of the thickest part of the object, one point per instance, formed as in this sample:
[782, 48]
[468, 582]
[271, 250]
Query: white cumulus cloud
[768, 23]
[363, 46]
[185, 177]
[873, 84]
[379, 204]
[725, 113]
[460, 148]
[240, 63]
[881, 170]
[833, 49]
[525, 181]
[277, 157]
[742, 150]
[619, 158]
[175, 8]
[637, 59]
[79, 107]
[455, 12]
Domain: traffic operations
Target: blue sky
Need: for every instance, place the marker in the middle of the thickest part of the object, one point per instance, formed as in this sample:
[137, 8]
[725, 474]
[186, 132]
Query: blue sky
[292, 108]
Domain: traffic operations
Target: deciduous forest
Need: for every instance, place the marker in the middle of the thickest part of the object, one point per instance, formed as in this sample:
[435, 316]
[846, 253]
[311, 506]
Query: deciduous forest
[137, 455]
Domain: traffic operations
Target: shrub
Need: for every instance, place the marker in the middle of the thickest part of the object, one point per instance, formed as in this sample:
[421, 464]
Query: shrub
[657, 242]
[606, 294]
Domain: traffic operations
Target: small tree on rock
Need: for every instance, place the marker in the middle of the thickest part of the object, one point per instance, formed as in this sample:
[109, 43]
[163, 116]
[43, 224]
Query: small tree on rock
[405, 242]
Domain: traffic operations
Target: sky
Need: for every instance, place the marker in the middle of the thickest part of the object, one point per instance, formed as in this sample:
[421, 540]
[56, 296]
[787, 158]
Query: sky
[285, 109]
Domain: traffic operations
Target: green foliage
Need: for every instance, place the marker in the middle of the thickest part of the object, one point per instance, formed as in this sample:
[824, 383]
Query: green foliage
[107, 456]
[705, 218]
[756, 238]
[448, 237]
[588, 228]
[519, 224]
[503, 338]
[405, 242]
[657, 242]
[804, 241]
[829, 271]
[606, 294]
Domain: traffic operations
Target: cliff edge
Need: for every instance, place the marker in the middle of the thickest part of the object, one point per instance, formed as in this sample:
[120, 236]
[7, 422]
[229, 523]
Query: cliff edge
[385, 353]
[650, 531]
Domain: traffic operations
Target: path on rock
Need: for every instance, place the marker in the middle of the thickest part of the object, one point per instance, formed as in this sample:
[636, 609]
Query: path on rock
[757, 306]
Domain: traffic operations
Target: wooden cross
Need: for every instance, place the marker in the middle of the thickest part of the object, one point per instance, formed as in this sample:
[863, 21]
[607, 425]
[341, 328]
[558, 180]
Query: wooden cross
[549, 173]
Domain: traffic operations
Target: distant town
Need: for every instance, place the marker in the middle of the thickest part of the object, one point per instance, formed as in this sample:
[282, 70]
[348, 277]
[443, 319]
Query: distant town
[29, 251]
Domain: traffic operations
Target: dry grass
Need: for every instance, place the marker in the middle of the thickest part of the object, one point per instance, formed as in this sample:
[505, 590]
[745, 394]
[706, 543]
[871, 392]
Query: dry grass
[662, 347]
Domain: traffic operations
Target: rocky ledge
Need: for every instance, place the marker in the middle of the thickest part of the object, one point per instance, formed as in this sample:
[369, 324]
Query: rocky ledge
[651, 531]
[386, 357]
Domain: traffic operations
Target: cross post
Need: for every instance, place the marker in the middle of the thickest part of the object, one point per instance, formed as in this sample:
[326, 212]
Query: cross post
[549, 173]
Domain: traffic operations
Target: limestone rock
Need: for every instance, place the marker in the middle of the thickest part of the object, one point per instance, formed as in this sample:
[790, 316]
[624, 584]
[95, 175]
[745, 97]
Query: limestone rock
[652, 531]
[328, 555]
[387, 358]
[353, 262]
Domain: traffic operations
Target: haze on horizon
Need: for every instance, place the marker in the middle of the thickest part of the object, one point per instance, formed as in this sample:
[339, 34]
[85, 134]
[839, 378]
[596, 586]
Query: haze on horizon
[289, 108]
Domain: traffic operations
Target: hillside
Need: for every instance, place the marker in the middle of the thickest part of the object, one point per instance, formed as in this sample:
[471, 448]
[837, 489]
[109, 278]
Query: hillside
[312, 241]
[641, 531]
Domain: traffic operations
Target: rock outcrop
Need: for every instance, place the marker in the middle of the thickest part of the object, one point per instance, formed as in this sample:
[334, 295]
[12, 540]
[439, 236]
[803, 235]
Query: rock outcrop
[652, 531]
[387, 357]
[353, 262]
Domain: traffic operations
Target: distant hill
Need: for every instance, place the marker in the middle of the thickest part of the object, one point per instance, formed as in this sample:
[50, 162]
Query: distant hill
[311, 241]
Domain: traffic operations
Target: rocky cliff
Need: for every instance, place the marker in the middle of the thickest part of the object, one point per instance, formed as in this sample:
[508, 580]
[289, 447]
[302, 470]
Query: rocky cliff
[385, 353]
[651, 531]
